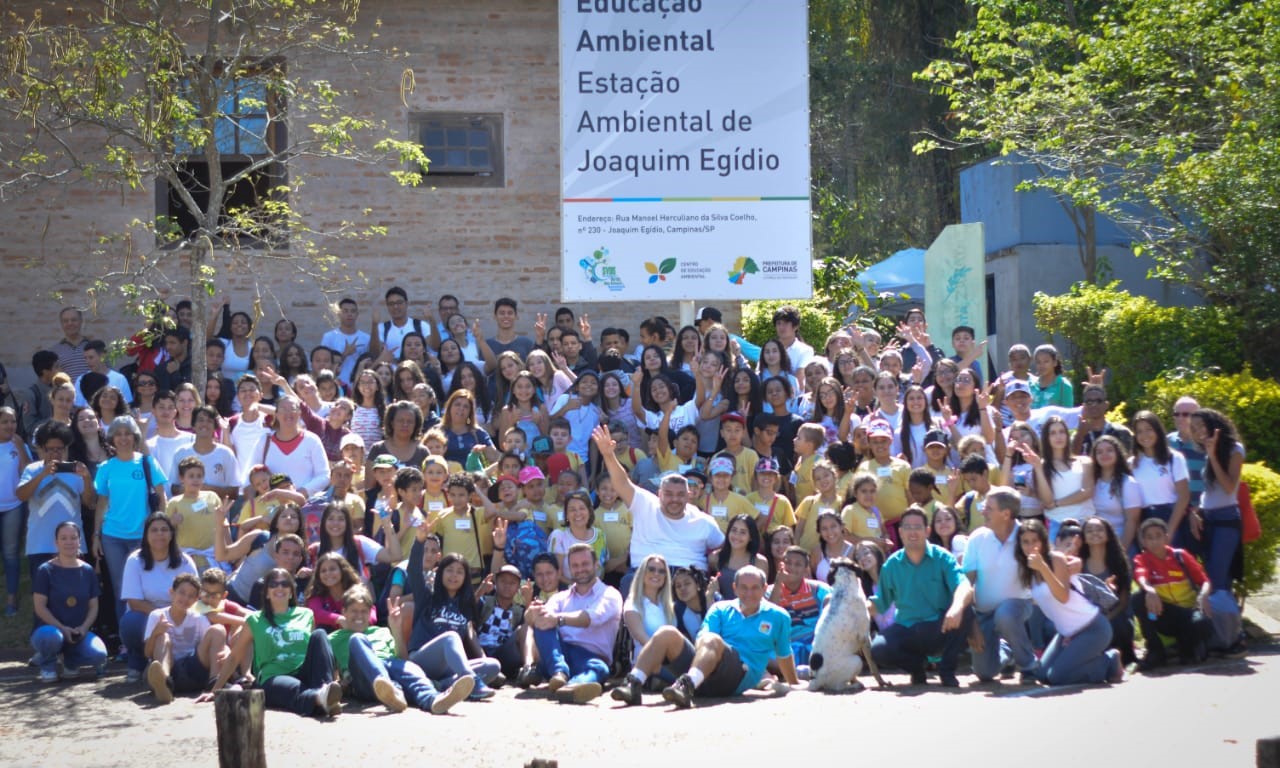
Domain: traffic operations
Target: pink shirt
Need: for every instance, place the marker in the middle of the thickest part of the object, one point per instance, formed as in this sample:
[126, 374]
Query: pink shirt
[604, 604]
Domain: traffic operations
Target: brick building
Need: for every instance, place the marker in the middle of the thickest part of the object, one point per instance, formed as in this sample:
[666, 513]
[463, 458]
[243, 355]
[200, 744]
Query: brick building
[489, 63]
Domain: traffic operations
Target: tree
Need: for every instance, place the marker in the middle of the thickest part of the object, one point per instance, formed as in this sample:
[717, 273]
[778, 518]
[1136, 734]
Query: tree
[216, 102]
[1161, 115]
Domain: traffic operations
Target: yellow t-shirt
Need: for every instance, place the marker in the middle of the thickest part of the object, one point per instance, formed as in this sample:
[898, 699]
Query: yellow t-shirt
[862, 522]
[802, 480]
[616, 524]
[461, 532]
[198, 524]
[630, 457]
[722, 511]
[807, 519]
[547, 515]
[784, 515]
[891, 486]
[433, 504]
[670, 462]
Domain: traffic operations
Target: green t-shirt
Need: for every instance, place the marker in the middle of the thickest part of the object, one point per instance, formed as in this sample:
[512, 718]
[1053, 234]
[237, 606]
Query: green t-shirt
[384, 645]
[280, 649]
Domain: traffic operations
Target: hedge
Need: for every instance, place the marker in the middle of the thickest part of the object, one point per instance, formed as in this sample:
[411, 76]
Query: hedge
[1260, 555]
[816, 321]
[1252, 403]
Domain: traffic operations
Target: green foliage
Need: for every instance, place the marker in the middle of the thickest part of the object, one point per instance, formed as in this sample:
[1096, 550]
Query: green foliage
[1260, 555]
[816, 321]
[1253, 404]
[1136, 338]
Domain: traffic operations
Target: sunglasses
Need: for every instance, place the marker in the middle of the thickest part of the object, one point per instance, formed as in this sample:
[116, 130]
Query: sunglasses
[278, 583]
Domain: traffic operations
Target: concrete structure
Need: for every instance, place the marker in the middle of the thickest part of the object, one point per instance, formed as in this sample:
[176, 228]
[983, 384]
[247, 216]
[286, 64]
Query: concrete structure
[495, 58]
[1031, 246]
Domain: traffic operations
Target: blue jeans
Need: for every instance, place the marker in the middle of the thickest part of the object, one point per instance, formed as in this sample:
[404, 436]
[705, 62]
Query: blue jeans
[1004, 637]
[1219, 541]
[296, 692]
[444, 659]
[1081, 659]
[366, 667]
[579, 664]
[133, 628]
[909, 648]
[10, 528]
[49, 641]
[116, 552]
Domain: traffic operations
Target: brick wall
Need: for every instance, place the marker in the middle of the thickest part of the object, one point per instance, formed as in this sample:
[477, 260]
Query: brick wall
[497, 56]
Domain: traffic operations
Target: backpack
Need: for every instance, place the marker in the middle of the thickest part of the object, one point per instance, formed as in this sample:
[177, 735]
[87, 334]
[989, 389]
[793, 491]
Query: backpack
[1095, 590]
[417, 327]
[525, 541]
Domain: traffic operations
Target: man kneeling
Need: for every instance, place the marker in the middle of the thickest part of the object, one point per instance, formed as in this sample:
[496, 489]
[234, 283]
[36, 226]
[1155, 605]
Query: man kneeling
[737, 641]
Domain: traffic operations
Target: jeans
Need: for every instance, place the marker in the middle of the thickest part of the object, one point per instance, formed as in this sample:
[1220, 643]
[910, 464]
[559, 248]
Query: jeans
[1219, 541]
[908, 648]
[366, 667]
[1082, 658]
[49, 641]
[297, 692]
[444, 659]
[116, 552]
[507, 655]
[133, 627]
[1004, 637]
[10, 529]
[578, 664]
[1188, 626]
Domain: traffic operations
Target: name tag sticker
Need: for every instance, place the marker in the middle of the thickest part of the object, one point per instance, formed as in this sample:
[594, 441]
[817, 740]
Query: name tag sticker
[540, 516]
[462, 525]
[720, 511]
[435, 506]
[612, 517]
[884, 471]
[762, 509]
[199, 506]
[873, 523]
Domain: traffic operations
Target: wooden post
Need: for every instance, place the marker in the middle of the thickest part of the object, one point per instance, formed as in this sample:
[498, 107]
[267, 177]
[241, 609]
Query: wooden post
[239, 716]
[1268, 754]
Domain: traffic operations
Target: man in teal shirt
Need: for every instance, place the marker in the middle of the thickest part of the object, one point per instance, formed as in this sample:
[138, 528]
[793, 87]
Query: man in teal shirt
[924, 581]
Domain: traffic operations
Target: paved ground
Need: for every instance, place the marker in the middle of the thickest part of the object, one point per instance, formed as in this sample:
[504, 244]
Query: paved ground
[1209, 715]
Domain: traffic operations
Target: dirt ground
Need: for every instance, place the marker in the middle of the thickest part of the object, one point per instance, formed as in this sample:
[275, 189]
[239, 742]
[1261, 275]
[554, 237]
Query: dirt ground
[1208, 715]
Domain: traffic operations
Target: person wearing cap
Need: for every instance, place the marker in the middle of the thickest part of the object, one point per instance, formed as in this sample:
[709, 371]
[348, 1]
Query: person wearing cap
[723, 503]
[543, 511]
[665, 523]
[892, 475]
[698, 484]
[733, 430]
[773, 510]
[498, 618]
[517, 538]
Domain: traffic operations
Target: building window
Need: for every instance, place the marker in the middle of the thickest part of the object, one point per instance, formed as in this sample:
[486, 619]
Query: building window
[465, 149]
[249, 129]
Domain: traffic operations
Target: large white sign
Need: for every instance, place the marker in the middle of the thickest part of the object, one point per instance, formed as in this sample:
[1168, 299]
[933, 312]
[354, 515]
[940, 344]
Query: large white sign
[684, 130]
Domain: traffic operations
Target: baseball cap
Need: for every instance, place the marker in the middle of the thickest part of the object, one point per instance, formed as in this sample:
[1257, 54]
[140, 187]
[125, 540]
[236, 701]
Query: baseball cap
[385, 460]
[541, 444]
[734, 416]
[529, 474]
[720, 465]
[935, 437]
[351, 438]
[508, 570]
[767, 464]
[1016, 385]
[557, 464]
[709, 313]
[879, 428]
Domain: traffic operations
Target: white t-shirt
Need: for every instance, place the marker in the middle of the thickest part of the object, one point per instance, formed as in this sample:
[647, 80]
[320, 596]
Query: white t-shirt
[683, 415]
[1158, 481]
[184, 638]
[651, 616]
[244, 439]
[996, 567]
[799, 354]
[681, 542]
[163, 449]
[306, 465]
[153, 586]
[336, 339]
[1111, 507]
[392, 335]
[221, 469]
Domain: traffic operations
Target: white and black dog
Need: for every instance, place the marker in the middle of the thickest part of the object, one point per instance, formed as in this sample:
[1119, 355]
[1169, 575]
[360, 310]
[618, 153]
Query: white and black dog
[842, 638]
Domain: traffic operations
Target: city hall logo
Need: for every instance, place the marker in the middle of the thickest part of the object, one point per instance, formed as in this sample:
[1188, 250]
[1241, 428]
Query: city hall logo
[659, 272]
[741, 268]
[598, 270]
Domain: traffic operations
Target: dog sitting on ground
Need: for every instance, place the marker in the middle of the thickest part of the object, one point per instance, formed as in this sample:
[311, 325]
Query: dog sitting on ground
[842, 638]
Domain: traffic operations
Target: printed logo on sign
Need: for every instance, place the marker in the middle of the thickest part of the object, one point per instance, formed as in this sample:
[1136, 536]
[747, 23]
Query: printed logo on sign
[659, 271]
[597, 269]
[741, 268]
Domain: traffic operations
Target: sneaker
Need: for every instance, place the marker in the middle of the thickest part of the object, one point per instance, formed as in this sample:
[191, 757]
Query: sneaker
[1151, 664]
[481, 691]
[557, 681]
[948, 680]
[389, 694]
[1115, 673]
[680, 692]
[48, 675]
[529, 677]
[1028, 677]
[628, 693]
[133, 676]
[455, 693]
[70, 673]
[329, 698]
[919, 678]
[34, 661]
[159, 683]
[579, 694]
[1237, 651]
[498, 681]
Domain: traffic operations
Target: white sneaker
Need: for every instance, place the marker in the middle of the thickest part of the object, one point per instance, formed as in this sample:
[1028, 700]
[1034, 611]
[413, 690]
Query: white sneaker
[48, 676]
[389, 694]
[455, 693]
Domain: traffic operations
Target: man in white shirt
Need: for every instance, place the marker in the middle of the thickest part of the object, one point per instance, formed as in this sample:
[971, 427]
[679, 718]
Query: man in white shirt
[1001, 604]
[95, 355]
[786, 324]
[390, 335]
[167, 440]
[347, 338]
[221, 468]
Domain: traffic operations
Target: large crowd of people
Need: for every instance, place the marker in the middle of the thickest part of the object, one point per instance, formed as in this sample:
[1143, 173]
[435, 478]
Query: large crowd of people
[417, 514]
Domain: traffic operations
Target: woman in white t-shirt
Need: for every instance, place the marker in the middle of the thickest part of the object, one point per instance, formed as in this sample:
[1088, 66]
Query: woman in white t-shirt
[649, 606]
[1063, 482]
[1160, 471]
[144, 587]
[1116, 495]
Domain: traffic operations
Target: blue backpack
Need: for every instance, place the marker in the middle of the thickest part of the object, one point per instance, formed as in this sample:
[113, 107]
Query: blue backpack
[525, 541]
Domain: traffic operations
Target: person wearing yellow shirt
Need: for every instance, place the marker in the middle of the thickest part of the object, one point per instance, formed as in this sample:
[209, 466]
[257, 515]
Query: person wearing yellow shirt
[809, 439]
[533, 486]
[937, 451]
[891, 475]
[733, 430]
[685, 455]
[824, 499]
[613, 517]
[723, 503]
[461, 526]
[861, 517]
[774, 510]
[197, 513]
[435, 472]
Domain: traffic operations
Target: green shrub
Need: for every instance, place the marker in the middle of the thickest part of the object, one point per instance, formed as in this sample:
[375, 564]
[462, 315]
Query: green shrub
[1136, 338]
[1260, 555]
[816, 321]
[1252, 403]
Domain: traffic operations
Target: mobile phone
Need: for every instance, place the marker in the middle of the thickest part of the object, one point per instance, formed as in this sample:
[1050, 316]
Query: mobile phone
[65, 466]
